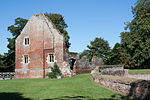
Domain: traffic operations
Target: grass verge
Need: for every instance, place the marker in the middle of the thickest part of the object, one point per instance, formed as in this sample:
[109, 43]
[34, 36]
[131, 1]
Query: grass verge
[140, 71]
[80, 87]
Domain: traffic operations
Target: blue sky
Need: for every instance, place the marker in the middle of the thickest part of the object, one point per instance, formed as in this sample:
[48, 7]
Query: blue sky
[86, 19]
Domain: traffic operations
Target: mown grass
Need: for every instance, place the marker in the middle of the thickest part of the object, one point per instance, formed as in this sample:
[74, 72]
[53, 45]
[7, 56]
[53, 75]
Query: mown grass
[77, 88]
[136, 71]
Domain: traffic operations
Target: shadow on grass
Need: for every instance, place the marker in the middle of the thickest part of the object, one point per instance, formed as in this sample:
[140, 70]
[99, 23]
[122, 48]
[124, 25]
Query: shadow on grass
[12, 96]
[117, 97]
[113, 97]
[69, 98]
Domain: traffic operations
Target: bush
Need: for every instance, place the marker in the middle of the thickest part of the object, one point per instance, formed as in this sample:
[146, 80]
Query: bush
[55, 72]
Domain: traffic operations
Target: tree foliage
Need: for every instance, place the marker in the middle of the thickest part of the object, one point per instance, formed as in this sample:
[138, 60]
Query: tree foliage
[99, 47]
[136, 43]
[85, 52]
[8, 59]
[55, 72]
[115, 55]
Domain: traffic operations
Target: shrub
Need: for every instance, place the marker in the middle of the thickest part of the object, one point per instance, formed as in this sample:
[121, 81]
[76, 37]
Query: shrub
[55, 72]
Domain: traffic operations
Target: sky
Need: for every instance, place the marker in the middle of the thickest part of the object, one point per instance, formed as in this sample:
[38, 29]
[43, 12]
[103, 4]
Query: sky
[86, 19]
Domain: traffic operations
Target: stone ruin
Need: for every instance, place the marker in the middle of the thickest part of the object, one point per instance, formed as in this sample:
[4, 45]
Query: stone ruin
[40, 45]
[116, 78]
[83, 65]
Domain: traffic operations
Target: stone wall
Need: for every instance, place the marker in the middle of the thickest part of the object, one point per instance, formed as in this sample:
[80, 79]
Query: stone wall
[139, 76]
[112, 70]
[83, 65]
[138, 89]
[6, 75]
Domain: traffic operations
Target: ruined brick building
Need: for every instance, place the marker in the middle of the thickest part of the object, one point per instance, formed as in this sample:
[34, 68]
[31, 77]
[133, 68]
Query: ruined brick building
[38, 47]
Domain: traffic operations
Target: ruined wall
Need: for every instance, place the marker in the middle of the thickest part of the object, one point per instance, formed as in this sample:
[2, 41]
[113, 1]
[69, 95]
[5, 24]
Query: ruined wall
[34, 31]
[138, 89]
[112, 70]
[84, 66]
[143, 76]
[58, 49]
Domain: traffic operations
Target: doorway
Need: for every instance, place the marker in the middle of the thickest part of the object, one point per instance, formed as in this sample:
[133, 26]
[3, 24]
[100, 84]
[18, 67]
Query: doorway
[71, 62]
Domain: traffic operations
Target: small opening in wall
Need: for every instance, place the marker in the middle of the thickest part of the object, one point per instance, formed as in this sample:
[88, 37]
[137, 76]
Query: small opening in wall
[26, 41]
[72, 61]
[51, 58]
[26, 59]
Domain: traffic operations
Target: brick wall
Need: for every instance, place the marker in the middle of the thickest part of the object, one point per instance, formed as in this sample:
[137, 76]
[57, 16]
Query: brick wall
[44, 39]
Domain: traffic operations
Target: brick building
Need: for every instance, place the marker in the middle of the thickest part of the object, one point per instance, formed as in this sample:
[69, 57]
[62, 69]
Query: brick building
[38, 47]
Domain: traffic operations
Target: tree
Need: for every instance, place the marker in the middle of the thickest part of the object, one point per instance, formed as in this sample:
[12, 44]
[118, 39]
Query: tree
[58, 21]
[99, 47]
[115, 55]
[9, 59]
[55, 72]
[136, 42]
[85, 52]
[2, 66]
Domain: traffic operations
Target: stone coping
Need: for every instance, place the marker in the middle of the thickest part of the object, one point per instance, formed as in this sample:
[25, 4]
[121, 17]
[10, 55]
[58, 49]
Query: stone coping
[110, 66]
[118, 79]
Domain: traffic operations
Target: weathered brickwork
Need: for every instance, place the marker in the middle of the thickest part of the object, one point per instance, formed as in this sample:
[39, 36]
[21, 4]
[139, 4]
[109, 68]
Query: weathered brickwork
[44, 39]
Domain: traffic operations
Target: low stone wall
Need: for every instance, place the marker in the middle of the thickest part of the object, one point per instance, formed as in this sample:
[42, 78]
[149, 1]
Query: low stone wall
[6, 75]
[139, 76]
[143, 76]
[138, 89]
[117, 70]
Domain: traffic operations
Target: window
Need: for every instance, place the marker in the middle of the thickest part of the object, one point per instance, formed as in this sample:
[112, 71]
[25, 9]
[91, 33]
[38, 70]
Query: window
[26, 41]
[51, 58]
[26, 59]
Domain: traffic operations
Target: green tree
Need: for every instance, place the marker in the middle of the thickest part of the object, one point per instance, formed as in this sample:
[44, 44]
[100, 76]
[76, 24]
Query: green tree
[136, 42]
[55, 72]
[9, 59]
[58, 21]
[85, 52]
[115, 55]
[99, 47]
[2, 66]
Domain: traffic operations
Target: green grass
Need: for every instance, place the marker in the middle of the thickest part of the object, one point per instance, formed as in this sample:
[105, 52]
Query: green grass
[136, 71]
[79, 87]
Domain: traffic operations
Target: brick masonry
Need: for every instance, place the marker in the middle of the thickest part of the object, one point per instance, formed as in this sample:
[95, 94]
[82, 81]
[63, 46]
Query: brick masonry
[44, 39]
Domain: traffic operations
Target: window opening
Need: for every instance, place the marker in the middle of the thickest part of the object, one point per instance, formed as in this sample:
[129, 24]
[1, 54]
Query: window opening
[51, 58]
[26, 41]
[26, 59]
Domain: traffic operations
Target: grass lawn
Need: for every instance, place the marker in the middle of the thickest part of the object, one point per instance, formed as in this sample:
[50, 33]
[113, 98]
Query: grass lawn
[77, 88]
[135, 71]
